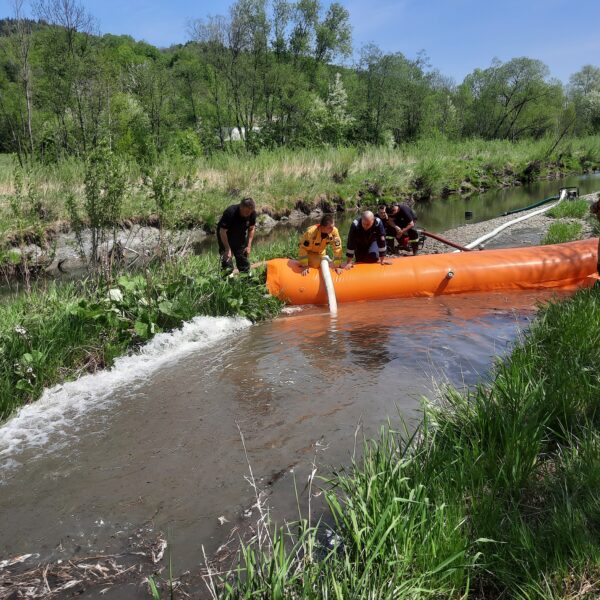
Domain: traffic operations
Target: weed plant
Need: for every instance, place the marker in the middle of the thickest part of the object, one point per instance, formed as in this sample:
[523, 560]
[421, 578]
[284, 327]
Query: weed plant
[496, 495]
[576, 209]
[561, 232]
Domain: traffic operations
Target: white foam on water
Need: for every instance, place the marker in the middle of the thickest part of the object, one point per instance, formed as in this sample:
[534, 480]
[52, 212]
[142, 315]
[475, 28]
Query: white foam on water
[58, 411]
[290, 310]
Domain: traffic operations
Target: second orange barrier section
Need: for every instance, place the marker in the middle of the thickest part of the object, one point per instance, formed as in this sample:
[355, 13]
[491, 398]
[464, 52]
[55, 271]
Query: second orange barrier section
[534, 267]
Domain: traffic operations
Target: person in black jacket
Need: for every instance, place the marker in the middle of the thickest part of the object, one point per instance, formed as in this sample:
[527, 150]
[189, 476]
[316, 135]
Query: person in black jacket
[235, 232]
[366, 240]
[402, 220]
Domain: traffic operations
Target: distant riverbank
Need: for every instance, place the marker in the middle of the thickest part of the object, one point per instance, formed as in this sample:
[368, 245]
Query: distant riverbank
[283, 181]
[530, 232]
[36, 232]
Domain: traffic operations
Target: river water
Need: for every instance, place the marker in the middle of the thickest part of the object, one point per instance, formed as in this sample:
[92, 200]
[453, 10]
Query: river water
[155, 445]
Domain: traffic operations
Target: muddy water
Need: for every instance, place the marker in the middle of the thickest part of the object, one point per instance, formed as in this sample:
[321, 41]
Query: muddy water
[158, 446]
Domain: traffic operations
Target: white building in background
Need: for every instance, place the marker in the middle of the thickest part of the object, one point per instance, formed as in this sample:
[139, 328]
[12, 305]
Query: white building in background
[236, 134]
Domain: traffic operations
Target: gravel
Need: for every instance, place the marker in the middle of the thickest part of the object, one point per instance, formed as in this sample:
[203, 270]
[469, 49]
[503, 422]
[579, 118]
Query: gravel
[526, 233]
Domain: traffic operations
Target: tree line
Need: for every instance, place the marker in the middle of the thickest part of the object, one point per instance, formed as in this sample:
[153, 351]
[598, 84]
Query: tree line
[269, 73]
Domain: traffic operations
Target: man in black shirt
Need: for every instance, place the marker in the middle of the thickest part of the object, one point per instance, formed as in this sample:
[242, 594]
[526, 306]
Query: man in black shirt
[402, 219]
[366, 240]
[235, 232]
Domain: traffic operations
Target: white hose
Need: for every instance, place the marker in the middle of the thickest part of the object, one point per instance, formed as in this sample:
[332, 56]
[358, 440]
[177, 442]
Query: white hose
[331, 298]
[495, 232]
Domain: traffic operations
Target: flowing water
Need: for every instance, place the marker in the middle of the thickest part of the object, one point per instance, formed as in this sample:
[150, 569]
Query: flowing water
[163, 442]
[155, 444]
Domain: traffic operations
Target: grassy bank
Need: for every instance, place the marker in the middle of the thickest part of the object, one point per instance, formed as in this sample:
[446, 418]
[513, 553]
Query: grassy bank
[282, 179]
[568, 227]
[497, 495]
[63, 330]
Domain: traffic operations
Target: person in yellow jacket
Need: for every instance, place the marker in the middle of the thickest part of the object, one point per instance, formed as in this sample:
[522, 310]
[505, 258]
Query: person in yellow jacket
[313, 245]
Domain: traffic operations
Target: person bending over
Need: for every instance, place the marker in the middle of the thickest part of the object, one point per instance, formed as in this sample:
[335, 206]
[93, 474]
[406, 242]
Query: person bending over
[314, 242]
[402, 220]
[235, 232]
[366, 240]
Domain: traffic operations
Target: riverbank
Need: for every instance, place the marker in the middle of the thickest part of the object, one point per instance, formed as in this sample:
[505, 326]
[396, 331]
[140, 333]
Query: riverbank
[286, 185]
[260, 386]
[58, 332]
[496, 495]
[530, 232]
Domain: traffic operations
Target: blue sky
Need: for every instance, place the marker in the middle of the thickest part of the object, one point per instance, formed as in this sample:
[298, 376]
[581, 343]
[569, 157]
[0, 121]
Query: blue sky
[457, 35]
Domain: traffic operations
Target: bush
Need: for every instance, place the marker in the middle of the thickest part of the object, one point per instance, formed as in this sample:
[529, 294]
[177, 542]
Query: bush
[186, 143]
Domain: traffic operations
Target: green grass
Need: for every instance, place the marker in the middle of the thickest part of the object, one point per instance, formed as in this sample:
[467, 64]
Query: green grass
[497, 495]
[561, 232]
[278, 179]
[576, 209]
[60, 331]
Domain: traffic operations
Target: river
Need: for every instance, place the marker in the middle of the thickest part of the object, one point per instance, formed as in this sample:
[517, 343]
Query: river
[156, 446]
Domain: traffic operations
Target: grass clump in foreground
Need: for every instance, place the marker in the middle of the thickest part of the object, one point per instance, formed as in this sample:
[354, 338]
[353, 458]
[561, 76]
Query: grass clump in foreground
[576, 209]
[60, 332]
[561, 232]
[496, 495]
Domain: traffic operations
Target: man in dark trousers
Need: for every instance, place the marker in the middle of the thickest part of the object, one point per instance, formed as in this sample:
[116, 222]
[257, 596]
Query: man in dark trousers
[235, 232]
[366, 240]
[402, 220]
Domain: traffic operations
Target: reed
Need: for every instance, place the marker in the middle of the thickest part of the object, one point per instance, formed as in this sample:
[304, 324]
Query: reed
[562, 231]
[277, 179]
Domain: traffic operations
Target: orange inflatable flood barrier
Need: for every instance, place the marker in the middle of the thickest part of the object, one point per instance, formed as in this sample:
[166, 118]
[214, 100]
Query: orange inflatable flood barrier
[536, 267]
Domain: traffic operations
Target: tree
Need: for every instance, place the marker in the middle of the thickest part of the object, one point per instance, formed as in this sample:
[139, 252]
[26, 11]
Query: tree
[511, 100]
[69, 62]
[18, 111]
[584, 89]
[393, 95]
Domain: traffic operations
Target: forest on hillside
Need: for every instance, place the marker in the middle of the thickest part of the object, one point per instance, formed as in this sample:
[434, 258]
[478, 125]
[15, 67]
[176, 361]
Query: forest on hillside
[269, 73]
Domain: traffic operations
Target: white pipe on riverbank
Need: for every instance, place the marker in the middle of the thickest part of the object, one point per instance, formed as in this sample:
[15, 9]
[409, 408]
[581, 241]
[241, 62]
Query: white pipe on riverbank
[495, 232]
[326, 273]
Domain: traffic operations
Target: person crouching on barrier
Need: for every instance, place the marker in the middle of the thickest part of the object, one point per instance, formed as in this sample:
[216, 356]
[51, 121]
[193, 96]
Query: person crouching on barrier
[595, 210]
[314, 242]
[366, 241]
[402, 220]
